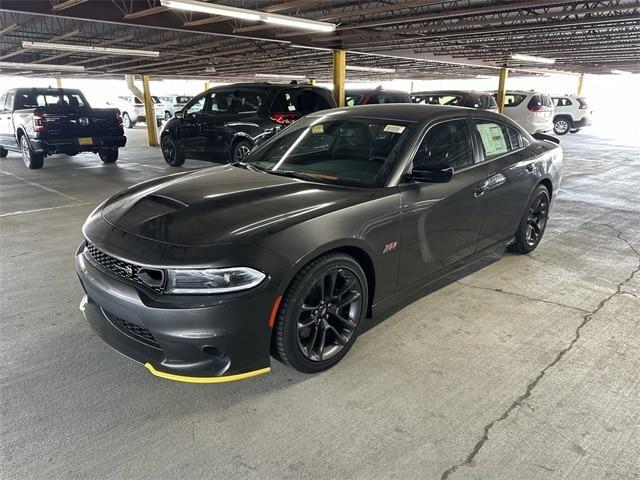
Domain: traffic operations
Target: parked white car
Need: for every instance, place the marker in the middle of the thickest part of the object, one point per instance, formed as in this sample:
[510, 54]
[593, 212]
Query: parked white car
[132, 110]
[173, 104]
[532, 110]
[571, 114]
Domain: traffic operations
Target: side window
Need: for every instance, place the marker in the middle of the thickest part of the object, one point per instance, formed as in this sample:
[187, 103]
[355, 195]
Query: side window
[3, 102]
[513, 99]
[237, 102]
[515, 138]
[197, 106]
[445, 145]
[494, 138]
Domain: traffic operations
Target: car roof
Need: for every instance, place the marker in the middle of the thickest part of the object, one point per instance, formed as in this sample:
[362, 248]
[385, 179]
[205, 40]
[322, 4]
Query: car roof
[451, 92]
[361, 91]
[408, 112]
[265, 86]
[46, 90]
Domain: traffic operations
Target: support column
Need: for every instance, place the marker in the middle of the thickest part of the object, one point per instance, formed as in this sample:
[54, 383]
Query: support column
[150, 113]
[580, 84]
[312, 82]
[502, 88]
[206, 85]
[58, 82]
[339, 76]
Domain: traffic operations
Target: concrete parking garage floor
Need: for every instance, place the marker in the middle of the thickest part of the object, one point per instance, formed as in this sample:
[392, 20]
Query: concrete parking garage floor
[527, 368]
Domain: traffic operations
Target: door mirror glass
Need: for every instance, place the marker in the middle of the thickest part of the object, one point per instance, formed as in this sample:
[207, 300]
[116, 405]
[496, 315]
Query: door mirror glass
[432, 176]
[179, 114]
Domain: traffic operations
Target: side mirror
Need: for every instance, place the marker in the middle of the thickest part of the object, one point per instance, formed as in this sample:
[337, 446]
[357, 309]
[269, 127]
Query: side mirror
[432, 176]
[179, 114]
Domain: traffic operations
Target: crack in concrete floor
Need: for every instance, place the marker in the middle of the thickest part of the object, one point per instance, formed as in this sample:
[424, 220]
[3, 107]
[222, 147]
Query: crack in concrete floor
[531, 385]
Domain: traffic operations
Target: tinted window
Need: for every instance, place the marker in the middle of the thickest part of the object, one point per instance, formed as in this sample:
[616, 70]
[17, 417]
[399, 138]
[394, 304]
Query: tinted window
[3, 102]
[352, 151]
[561, 102]
[515, 138]
[34, 99]
[494, 138]
[237, 102]
[487, 102]
[8, 104]
[352, 100]
[513, 99]
[197, 106]
[445, 145]
[182, 99]
[300, 100]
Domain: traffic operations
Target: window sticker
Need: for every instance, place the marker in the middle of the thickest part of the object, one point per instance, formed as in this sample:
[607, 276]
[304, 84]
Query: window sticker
[394, 128]
[492, 139]
[319, 128]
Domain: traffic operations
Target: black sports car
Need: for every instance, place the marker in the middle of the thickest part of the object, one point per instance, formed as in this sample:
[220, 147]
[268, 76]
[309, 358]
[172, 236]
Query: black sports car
[202, 276]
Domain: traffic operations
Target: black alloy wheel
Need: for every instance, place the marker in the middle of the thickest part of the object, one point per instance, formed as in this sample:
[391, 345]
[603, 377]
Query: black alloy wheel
[173, 154]
[126, 120]
[534, 222]
[240, 151]
[31, 159]
[322, 313]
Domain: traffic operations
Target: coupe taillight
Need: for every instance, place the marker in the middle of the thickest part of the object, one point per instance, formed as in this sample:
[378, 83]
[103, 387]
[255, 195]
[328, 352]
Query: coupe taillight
[535, 108]
[284, 118]
[38, 123]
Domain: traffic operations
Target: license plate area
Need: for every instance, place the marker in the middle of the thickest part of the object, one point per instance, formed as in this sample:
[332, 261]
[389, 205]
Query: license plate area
[85, 141]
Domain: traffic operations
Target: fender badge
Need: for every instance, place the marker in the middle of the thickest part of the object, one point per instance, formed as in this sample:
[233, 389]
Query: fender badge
[389, 247]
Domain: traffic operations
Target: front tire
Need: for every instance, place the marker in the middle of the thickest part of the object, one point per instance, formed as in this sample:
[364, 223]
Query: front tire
[31, 159]
[561, 126]
[533, 223]
[126, 120]
[3, 152]
[321, 314]
[108, 155]
[173, 154]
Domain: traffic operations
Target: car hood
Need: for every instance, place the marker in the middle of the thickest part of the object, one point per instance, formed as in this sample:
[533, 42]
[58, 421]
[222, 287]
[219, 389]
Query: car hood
[223, 204]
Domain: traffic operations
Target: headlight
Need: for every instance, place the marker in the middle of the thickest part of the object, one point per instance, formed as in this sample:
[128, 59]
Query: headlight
[212, 280]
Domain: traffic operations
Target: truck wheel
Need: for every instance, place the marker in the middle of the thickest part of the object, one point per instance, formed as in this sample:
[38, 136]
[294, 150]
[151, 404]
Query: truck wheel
[31, 159]
[109, 155]
[127, 121]
[167, 116]
[173, 154]
[561, 126]
[3, 152]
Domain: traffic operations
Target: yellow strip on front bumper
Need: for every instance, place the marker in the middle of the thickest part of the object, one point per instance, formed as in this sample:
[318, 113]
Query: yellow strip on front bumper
[222, 379]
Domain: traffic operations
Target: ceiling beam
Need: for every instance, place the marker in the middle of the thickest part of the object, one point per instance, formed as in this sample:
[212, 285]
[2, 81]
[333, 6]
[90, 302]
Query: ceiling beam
[66, 4]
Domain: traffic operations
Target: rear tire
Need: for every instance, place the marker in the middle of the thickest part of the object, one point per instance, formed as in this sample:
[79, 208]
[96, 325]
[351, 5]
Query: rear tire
[321, 314]
[561, 126]
[3, 152]
[126, 120]
[173, 154]
[533, 223]
[31, 159]
[109, 155]
[240, 150]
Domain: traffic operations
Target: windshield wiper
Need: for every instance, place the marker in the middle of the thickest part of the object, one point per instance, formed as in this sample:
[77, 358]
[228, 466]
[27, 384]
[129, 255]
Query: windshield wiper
[294, 174]
[248, 166]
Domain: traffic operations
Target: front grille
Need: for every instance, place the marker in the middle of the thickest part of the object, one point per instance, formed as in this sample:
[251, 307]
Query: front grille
[119, 267]
[137, 332]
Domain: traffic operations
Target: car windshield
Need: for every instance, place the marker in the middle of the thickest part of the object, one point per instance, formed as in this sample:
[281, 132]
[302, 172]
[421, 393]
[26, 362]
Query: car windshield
[358, 152]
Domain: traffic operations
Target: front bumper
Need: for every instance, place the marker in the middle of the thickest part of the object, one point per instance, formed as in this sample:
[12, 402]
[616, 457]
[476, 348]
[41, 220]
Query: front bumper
[211, 342]
[60, 145]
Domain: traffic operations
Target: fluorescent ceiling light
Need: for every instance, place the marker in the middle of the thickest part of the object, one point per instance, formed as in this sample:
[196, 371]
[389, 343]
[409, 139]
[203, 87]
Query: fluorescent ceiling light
[278, 75]
[43, 66]
[620, 72]
[251, 15]
[89, 49]
[531, 58]
[357, 68]
[492, 77]
[210, 69]
[310, 48]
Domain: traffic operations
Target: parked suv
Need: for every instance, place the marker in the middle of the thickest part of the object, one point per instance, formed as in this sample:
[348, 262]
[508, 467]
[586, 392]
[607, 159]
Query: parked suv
[458, 98]
[571, 114]
[173, 104]
[132, 110]
[225, 123]
[375, 96]
[532, 110]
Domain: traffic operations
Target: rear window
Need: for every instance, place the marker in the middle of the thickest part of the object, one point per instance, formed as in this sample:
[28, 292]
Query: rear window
[379, 98]
[300, 100]
[582, 101]
[34, 99]
[353, 100]
[513, 99]
[237, 101]
[561, 101]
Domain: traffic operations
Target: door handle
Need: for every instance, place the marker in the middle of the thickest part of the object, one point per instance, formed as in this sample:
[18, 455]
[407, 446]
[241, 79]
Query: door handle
[489, 184]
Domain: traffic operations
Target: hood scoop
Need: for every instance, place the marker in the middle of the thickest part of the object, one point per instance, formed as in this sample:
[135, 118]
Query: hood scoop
[166, 201]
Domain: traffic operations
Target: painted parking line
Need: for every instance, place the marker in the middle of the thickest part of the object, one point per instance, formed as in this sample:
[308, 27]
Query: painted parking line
[43, 187]
[22, 212]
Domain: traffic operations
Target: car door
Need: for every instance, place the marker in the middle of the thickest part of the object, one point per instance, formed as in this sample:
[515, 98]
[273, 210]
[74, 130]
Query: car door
[191, 127]
[511, 176]
[441, 221]
[7, 134]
